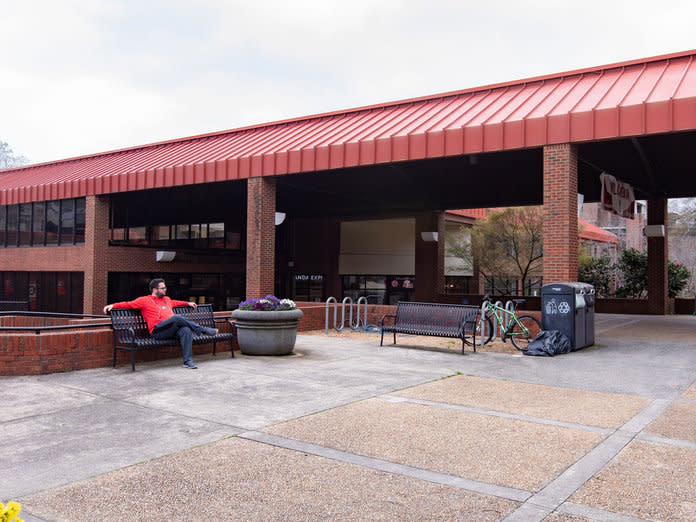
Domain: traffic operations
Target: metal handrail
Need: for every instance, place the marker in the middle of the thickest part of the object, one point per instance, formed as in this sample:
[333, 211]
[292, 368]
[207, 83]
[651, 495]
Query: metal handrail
[38, 329]
[47, 314]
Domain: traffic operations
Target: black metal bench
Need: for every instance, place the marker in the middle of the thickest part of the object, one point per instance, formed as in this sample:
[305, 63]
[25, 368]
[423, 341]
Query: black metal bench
[440, 320]
[131, 333]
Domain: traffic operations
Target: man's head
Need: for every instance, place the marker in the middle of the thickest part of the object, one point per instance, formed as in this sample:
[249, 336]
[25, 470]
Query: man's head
[158, 288]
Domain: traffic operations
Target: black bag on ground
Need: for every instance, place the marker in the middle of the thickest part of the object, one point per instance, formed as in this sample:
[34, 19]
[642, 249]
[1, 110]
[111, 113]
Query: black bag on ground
[548, 343]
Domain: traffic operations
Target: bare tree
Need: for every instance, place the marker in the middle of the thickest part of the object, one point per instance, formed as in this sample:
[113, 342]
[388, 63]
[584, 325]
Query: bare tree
[8, 158]
[506, 246]
[682, 238]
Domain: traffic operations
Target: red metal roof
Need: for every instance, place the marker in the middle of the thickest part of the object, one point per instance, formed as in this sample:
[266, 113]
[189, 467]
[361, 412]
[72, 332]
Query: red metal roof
[649, 96]
[475, 213]
[592, 232]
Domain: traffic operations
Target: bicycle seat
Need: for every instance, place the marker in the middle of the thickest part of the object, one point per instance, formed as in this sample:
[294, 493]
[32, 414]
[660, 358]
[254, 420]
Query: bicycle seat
[519, 301]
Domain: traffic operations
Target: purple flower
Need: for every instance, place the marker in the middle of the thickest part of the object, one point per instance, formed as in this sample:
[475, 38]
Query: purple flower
[270, 303]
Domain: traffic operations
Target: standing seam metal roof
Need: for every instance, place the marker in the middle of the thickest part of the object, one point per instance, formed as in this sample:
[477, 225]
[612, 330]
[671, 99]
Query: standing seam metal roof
[641, 97]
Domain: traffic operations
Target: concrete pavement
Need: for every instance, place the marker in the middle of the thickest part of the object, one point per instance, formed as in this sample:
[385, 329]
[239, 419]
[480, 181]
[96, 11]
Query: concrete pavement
[347, 430]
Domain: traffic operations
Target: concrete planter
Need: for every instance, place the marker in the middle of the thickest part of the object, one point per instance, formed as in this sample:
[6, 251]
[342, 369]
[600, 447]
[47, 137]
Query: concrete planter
[266, 333]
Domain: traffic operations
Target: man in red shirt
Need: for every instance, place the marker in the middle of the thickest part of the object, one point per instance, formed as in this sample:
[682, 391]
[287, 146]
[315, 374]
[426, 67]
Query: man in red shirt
[161, 320]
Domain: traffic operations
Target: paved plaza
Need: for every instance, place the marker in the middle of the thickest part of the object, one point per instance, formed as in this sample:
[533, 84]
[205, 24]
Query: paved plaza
[346, 430]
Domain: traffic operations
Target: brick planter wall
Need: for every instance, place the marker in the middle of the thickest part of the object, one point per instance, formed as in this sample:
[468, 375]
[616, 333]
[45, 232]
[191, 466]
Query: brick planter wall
[26, 353]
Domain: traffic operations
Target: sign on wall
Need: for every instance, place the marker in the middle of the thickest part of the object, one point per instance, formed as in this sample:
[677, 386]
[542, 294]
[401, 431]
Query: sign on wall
[617, 196]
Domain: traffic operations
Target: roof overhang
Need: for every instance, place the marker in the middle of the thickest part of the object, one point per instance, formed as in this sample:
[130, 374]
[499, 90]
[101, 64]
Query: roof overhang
[650, 97]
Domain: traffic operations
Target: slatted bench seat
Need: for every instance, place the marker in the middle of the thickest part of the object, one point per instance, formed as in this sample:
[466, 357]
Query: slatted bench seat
[436, 319]
[131, 333]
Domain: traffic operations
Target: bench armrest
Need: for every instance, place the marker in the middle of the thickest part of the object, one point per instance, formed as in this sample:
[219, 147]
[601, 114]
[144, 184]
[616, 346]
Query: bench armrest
[381, 322]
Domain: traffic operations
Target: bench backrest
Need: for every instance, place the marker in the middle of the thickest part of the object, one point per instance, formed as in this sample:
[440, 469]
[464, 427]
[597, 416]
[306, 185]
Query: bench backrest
[437, 316]
[122, 319]
[202, 315]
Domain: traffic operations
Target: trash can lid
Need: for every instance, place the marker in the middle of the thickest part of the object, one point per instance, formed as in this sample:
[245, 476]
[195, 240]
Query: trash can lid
[571, 286]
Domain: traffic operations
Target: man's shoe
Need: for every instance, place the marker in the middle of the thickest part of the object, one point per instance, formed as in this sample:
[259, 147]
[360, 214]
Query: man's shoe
[190, 364]
[210, 331]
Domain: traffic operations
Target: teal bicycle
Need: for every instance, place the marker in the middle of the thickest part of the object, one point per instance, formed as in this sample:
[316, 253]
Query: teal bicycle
[520, 329]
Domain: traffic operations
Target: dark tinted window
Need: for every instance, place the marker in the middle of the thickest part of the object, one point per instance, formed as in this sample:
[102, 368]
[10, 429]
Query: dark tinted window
[52, 222]
[25, 224]
[67, 221]
[80, 220]
[3, 224]
[39, 223]
[12, 224]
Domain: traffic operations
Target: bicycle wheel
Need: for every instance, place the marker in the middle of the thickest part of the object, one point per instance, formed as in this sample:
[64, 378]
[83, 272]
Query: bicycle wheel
[488, 331]
[523, 331]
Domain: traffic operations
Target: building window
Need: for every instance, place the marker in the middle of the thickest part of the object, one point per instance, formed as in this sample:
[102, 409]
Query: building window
[137, 236]
[379, 289]
[52, 222]
[61, 292]
[38, 235]
[12, 225]
[3, 224]
[25, 224]
[183, 235]
[309, 287]
[80, 219]
[43, 223]
[457, 284]
[67, 221]
[223, 290]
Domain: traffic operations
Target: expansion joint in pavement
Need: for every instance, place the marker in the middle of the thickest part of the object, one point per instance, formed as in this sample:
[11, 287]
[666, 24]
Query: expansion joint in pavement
[555, 494]
[436, 477]
[504, 415]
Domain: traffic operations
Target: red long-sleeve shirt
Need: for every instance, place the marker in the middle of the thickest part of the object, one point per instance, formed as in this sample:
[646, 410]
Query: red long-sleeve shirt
[154, 309]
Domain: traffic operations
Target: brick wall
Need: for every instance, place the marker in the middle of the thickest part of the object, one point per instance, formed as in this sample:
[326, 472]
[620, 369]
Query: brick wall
[260, 265]
[95, 253]
[560, 213]
[26, 353]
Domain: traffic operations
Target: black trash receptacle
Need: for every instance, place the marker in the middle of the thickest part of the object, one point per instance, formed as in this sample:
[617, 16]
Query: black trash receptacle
[563, 308]
[589, 314]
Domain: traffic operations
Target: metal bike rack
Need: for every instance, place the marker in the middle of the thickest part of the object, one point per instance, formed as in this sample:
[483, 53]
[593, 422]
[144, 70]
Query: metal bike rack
[328, 303]
[353, 326]
[362, 300]
[510, 307]
[497, 324]
[482, 324]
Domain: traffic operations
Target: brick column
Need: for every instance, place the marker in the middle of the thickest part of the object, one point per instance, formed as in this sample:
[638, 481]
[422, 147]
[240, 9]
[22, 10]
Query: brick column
[560, 213]
[96, 245]
[657, 259]
[426, 258]
[260, 241]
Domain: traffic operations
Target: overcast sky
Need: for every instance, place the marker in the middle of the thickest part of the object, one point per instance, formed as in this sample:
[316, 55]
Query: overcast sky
[80, 77]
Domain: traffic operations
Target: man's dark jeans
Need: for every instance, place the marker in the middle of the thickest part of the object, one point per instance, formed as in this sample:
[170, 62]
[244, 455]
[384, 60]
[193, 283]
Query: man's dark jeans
[177, 326]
